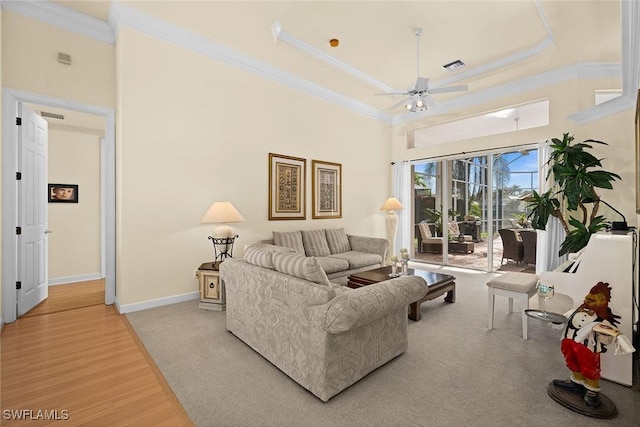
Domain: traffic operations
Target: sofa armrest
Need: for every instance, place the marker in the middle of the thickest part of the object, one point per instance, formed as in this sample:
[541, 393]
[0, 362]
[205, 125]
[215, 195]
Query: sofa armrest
[372, 245]
[360, 306]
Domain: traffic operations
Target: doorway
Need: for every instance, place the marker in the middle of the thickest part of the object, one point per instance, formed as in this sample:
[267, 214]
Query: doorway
[11, 100]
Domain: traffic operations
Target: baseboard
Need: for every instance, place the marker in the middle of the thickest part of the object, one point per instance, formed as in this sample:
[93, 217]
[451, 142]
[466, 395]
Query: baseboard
[74, 279]
[159, 302]
[1, 324]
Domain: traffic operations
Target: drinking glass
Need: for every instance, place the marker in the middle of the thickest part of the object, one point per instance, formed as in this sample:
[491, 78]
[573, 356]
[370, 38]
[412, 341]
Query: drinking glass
[545, 291]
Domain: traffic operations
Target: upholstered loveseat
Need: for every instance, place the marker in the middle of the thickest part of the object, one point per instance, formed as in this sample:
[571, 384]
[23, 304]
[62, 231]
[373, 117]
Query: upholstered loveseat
[324, 336]
[339, 253]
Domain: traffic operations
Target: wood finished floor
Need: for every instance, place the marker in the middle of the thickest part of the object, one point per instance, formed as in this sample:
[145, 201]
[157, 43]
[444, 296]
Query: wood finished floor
[87, 361]
[69, 297]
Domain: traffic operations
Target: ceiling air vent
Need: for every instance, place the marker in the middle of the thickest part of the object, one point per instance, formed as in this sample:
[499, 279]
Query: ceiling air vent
[454, 65]
[51, 115]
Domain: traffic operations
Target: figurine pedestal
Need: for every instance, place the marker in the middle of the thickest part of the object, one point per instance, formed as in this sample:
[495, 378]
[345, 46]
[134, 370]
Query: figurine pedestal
[574, 401]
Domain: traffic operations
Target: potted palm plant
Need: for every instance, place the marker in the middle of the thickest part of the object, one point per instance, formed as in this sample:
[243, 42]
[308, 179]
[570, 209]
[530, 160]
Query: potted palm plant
[573, 199]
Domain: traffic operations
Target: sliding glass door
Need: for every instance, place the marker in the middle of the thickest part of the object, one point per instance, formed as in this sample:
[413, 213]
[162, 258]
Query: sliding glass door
[461, 203]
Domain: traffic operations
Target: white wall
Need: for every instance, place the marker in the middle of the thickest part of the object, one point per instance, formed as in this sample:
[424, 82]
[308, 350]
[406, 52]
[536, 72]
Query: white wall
[186, 139]
[74, 244]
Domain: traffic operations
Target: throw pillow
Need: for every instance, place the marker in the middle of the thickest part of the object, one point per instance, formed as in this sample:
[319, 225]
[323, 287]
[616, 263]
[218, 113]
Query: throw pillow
[307, 268]
[315, 243]
[290, 239]
[259, 256]
[425, 231]
[338, 241]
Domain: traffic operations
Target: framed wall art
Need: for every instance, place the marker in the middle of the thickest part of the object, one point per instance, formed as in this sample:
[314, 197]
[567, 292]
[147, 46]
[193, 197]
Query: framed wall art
[286, 187]
[326, 189]
[63, 193]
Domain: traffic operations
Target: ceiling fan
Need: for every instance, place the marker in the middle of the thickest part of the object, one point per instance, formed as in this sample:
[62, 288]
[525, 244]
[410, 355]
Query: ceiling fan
[419, 97]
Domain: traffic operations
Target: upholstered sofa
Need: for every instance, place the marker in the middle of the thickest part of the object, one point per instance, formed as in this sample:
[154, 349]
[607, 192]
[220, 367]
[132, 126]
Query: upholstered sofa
[324, 336]
[339, 253]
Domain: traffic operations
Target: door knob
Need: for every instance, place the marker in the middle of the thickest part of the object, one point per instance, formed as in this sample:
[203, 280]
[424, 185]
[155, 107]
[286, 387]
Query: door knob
[48, 231]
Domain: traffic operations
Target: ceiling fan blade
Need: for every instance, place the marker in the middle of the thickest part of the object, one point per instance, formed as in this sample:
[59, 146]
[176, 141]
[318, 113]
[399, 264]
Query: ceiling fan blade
[404, 101]
[461, 88]
[422, 84]
[432, 103]
[391, 93]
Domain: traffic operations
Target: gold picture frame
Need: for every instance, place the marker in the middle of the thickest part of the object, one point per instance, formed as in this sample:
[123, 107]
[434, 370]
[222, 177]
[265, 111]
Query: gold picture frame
[287, 185]
[638, 153]
[326, 189]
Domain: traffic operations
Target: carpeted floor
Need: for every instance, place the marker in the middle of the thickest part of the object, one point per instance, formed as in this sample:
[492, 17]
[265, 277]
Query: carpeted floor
[455, 373]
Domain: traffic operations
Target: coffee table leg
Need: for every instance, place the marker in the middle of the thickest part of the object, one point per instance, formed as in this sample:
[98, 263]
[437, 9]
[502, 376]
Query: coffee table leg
[414, 311]
[451, 295]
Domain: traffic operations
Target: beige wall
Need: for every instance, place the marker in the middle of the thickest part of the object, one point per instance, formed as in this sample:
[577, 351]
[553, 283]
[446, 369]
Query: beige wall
[74, 244]
[33, 66]
[1, 104]
[616, 130]
[186, 139]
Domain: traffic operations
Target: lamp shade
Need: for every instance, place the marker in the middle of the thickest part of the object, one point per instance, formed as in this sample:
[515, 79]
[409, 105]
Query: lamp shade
[392, 204]
[221, 212]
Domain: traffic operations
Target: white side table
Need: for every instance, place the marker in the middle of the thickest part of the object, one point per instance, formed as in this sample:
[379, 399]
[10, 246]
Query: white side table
[211, 287]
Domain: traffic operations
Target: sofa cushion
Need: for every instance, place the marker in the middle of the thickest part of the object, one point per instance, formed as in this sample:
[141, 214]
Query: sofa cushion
[289, 239]
[333, 265]
[297, 265]
[425, 231]
[315, 243]
[338, 241]
[260, 254]
[358, 259]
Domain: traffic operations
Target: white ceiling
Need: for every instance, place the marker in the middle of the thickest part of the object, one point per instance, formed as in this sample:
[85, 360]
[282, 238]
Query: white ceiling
[377, 42]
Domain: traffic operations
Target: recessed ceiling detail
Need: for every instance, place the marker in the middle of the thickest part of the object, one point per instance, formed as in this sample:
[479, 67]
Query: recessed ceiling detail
[372, 46]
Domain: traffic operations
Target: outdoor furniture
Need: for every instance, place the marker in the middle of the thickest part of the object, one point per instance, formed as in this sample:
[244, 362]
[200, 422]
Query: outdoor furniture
[427, 242]
[519, 286]
[512, 247]
[529, 242]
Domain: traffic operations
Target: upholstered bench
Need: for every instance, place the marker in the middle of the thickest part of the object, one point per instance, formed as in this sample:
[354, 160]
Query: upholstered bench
[519, 286]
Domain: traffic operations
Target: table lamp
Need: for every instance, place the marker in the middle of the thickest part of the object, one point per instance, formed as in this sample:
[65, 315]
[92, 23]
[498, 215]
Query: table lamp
[223, 235]
[391, 221]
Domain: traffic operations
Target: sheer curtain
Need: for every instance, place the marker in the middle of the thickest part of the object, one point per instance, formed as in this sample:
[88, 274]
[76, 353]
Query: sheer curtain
[401, 190]
[549, 241]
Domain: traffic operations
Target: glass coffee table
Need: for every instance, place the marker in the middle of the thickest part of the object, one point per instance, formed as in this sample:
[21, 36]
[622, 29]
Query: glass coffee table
[439, 284]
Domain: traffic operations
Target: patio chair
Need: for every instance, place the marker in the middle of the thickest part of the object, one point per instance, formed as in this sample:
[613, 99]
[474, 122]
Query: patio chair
[426, 240]
[529, 243]
[512, 247]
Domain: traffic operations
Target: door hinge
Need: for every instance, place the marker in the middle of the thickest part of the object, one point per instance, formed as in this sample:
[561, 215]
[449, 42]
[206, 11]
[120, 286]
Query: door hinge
[18, 285]
[18, 230]
[18, 176]
[19, 121]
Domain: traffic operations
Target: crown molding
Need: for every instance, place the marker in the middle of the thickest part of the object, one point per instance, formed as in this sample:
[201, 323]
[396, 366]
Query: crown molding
[119, 15]
[62, 17]
[126, 16]
[280, 34]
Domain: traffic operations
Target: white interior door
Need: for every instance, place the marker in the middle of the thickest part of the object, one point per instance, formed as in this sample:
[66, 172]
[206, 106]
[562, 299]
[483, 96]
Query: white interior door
[32, 210]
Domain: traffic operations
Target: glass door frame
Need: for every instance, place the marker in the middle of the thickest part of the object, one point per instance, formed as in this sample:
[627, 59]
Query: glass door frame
[445, 186]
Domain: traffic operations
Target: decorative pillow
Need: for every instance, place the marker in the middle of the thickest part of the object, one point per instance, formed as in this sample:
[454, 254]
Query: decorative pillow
[259, 256]
[272, 248]
[454, 229]
[307, 268]
[315, 243]
[290, 239]
[338, 241]
[425, 231]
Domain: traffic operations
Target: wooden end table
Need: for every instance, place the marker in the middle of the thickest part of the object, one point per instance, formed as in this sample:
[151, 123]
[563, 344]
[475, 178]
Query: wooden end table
[438, 283]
